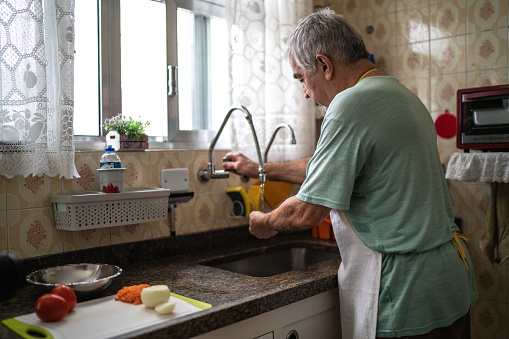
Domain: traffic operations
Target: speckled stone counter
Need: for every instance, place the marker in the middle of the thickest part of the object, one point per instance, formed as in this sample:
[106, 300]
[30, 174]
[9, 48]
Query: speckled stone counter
[176, 262]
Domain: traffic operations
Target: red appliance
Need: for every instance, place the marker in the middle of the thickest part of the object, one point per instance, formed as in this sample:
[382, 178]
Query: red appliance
[483, 118]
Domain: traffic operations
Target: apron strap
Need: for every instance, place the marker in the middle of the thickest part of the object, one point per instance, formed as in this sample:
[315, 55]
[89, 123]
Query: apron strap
[457, 243]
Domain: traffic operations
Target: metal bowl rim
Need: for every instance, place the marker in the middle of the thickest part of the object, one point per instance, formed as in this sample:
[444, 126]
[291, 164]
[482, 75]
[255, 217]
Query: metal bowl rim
[29, 276]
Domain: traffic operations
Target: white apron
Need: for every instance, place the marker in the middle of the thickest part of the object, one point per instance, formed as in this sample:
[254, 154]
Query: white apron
[358, 279]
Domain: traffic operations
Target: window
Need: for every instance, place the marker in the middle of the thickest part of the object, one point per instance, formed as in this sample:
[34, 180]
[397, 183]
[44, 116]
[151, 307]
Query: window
[129, 72]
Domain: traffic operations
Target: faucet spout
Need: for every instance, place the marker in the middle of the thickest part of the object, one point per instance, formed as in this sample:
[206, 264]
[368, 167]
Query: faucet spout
[293, 141]
[218, 174]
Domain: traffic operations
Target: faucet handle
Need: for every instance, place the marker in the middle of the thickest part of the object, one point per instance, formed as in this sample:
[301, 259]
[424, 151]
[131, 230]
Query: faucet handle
[204, 175]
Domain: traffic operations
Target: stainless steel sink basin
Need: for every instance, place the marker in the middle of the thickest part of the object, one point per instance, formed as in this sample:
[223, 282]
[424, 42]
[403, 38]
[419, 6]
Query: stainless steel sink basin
[273, 261]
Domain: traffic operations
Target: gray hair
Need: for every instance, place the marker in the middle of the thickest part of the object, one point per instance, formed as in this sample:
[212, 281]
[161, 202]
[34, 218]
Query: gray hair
[328, 33]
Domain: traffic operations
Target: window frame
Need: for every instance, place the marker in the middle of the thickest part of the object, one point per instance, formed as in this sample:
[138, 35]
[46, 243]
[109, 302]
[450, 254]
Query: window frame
[110, 70]
[196, 138]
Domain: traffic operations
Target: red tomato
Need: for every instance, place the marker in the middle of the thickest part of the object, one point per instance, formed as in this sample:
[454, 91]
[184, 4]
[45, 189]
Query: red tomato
[51, 307]
[67, 293]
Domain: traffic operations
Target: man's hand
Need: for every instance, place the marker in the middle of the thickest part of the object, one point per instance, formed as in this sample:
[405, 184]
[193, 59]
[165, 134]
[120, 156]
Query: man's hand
[291, 216]
[241, 165]
[259, 227]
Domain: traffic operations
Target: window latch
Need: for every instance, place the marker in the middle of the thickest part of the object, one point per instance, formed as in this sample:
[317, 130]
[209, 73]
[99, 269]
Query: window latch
[172, 81]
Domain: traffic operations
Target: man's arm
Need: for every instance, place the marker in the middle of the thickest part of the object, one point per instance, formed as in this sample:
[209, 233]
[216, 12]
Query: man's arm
[291, 216]
[291, 171]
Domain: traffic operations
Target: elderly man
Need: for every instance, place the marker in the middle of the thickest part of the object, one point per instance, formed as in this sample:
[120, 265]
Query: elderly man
[405, 270]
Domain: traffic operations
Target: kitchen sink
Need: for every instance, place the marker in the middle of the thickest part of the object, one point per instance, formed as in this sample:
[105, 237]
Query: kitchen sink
[267, 262]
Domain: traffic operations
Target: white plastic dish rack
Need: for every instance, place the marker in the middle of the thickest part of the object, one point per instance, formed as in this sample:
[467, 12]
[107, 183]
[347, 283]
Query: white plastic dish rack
[89, 210]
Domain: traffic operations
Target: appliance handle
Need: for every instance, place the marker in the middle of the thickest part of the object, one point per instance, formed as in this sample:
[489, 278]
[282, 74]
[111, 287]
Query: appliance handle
[478, 95]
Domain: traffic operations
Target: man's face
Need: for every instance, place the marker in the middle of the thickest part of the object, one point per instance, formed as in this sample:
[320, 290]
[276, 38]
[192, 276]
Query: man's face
[310, 83]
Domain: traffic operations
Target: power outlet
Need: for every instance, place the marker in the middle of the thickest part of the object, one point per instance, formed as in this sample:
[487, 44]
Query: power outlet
[176, 179]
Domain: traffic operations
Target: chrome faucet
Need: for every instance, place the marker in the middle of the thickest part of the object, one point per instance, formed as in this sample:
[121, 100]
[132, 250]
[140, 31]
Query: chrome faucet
[293, 141]
[205, 175]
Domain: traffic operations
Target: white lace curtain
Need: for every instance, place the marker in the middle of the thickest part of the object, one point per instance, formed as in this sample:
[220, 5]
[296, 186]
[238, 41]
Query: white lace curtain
[36, 88]
[262, 79]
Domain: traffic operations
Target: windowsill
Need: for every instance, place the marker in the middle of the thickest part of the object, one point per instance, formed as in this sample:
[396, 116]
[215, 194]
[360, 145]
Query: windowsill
[87, 144]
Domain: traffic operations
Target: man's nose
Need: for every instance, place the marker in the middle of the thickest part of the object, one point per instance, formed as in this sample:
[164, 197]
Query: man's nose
[306, 95]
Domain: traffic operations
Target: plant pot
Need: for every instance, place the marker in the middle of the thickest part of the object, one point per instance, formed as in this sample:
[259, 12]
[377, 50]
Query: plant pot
[133, 142]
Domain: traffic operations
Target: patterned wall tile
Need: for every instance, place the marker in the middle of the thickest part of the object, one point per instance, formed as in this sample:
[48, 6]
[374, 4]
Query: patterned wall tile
[413, 25]
[377, 7]
[443, 91]
[487, 77]
[221, 202]
[489, 319]
[3, 233]
[449, 55]
[87, 164]
[202, 212]
[413, 60]
[491, 280]
[198, 160]
[32, 233]
[487, 49]
[404, 4]
[350, 9]
[448, 18]
[32, 191]
[486, 14]
[131, 233]
[386, 59]
[362, 27]
[137, 165]
[383, 34]
[79, 240]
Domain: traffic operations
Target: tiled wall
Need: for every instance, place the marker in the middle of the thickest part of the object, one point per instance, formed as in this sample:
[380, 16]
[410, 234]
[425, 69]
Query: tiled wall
[27, 226]
[435, 48]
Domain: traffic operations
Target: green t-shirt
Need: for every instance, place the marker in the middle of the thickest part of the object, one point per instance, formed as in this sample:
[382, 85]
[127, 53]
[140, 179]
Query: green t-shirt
[377, 159]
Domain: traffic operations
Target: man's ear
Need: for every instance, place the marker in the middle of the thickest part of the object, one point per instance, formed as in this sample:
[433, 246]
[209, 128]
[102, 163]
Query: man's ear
[324, 64]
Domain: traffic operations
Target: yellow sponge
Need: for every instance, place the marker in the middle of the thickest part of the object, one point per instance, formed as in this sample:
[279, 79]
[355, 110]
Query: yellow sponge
[254, 194]
[241, 205]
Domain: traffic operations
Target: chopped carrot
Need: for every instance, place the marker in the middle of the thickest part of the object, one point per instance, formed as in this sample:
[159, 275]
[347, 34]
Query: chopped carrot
[131, 294]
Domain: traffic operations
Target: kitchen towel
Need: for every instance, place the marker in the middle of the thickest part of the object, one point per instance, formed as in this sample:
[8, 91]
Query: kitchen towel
[494, 240]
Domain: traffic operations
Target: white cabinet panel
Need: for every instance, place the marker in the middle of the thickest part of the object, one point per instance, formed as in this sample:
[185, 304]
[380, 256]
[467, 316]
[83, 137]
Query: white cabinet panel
[312, 318]
[325, 325]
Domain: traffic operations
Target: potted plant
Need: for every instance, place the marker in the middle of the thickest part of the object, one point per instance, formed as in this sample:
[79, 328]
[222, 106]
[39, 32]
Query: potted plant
[131, 132]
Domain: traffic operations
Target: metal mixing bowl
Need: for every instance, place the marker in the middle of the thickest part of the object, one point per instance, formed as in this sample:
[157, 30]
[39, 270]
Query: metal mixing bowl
[87, 280]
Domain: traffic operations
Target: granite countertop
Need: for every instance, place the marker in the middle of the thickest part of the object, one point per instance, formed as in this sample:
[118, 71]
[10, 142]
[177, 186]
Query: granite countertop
[175, 262]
